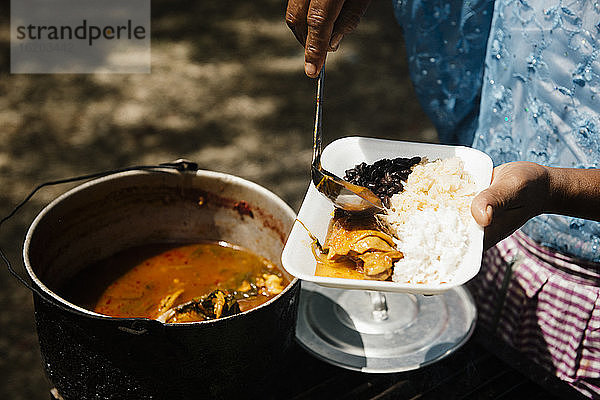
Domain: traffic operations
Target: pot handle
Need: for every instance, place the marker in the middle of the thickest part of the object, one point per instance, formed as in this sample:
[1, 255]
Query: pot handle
[180, 165]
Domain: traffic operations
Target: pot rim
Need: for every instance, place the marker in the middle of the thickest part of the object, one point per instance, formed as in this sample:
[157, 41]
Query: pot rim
[200, 172]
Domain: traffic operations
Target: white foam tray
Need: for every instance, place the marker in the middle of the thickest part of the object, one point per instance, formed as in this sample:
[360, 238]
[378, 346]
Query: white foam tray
[316, 211]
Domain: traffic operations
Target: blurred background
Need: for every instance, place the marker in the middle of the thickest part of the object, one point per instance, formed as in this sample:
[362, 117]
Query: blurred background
[227, 90]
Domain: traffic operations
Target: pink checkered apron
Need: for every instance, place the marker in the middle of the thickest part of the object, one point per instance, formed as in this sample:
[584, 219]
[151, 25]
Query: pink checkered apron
[544, 304]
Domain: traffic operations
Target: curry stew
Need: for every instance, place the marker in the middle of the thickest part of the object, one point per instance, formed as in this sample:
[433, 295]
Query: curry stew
[186, 283]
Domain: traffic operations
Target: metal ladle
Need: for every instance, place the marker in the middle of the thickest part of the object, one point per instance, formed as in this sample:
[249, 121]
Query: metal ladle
[341, 193]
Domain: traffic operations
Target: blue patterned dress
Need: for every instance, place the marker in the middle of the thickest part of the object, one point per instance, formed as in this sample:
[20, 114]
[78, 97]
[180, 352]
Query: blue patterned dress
[520, 80]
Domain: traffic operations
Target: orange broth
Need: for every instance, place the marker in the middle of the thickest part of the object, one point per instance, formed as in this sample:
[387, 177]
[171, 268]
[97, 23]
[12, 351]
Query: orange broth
[340, 269]
[133, 283]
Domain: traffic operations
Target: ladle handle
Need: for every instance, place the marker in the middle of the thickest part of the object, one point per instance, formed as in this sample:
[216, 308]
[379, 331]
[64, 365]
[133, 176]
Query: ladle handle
[318, 121]
[179, 165]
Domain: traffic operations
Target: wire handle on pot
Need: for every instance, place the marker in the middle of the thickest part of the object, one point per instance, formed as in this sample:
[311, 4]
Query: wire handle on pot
[180, 165]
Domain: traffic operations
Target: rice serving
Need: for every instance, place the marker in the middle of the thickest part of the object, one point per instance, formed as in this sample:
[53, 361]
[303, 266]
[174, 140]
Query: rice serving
[431, 220]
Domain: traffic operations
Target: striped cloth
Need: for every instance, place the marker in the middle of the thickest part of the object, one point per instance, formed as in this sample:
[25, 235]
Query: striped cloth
[545, 305]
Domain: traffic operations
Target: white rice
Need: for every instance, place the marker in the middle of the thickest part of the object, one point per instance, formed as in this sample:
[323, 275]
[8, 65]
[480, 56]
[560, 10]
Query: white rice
[431, 220]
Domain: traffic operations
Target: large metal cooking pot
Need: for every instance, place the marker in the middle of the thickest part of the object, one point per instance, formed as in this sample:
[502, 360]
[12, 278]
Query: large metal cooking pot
[88, 355]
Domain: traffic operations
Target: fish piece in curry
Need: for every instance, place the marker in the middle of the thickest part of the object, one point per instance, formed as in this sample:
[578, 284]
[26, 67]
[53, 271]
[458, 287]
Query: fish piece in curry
[357, 247]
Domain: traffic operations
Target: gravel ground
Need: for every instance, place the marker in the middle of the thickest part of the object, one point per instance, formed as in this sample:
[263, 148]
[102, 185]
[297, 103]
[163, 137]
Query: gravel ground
[227, 90]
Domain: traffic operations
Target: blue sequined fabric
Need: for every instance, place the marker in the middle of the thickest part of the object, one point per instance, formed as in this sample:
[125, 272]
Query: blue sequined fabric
[446, 43]
[539, 85]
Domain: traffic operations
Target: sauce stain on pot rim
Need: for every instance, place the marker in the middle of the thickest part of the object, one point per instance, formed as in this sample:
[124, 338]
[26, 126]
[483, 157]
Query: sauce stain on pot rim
[207, 198]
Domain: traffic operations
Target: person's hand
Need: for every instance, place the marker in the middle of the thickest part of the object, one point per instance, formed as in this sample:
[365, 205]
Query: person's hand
[518, 192]
[320, 25]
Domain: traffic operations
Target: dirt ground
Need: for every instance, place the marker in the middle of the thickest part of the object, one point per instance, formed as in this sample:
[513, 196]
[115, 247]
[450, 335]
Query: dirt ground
[227, 90]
